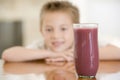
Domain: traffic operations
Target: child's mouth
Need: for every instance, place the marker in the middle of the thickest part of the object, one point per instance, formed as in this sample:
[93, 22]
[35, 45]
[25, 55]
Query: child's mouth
[57, 43]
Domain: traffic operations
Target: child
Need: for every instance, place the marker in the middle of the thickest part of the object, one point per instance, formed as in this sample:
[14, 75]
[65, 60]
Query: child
[56, 21]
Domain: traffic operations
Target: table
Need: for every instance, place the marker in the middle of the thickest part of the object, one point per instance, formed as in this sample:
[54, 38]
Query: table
[40, 70]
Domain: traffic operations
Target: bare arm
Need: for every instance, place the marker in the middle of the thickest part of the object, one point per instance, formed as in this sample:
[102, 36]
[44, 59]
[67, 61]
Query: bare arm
[69, 56]
[15, 54]
[109, 52]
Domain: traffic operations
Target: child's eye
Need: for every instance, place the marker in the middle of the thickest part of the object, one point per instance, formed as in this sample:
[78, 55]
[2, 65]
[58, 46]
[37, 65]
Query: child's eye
[63, 29]
[49, 30]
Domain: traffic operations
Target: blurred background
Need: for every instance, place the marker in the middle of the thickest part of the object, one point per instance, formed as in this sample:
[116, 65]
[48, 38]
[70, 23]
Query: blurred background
[19, 20]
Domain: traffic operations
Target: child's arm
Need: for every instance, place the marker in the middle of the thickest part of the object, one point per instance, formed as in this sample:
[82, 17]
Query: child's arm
[15, 54]
[69, 56]
[109, 52]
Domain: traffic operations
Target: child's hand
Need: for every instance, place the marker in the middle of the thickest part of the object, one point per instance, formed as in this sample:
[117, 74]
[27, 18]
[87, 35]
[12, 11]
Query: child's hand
[64, 56]
[59, 59]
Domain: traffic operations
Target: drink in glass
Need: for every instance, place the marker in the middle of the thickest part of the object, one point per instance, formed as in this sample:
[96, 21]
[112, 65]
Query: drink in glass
[86, 49]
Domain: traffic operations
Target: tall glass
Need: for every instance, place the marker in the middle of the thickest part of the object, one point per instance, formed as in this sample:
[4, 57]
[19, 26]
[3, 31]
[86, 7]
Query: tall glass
[86, 49]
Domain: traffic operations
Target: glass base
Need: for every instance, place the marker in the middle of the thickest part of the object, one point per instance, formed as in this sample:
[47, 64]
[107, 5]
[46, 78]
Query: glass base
[86, 76]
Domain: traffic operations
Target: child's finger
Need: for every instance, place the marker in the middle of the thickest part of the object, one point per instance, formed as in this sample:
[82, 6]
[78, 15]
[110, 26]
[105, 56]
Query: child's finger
[58, 56]
[70, 55]
[68, 58]
[58, 59]
[47, 60]
[61, 57]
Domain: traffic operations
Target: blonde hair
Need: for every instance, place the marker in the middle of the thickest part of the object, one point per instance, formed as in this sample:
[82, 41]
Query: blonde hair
[64, 6]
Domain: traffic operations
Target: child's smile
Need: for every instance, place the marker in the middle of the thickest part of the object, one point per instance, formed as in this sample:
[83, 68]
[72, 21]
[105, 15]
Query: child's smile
[57, 43]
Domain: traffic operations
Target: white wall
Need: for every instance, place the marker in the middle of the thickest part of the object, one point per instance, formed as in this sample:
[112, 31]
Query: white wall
[104, 12]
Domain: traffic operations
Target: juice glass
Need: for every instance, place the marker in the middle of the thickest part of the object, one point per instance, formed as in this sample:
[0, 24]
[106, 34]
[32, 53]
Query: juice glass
[86, 49]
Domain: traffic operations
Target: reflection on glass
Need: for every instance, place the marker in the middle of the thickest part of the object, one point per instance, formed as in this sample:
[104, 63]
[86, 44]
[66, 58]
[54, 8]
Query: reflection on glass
[86, 78]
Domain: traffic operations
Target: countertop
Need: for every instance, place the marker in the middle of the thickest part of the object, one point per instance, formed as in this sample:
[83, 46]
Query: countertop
[40, 70]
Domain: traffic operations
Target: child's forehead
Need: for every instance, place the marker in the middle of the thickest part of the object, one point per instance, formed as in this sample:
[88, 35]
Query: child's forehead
[54, 16]
[52, 19]
[57, 14]
[62, 25]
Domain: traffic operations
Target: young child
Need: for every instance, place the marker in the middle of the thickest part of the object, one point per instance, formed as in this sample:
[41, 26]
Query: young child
[56, 21]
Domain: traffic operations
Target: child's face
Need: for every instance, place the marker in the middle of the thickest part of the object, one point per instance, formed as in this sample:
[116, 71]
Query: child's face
[57, 31]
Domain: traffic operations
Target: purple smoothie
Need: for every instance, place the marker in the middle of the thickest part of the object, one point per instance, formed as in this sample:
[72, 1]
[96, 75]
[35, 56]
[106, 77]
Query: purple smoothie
[86, 51]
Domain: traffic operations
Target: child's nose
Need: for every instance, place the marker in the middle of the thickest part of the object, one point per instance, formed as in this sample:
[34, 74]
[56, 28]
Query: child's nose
[57, 34]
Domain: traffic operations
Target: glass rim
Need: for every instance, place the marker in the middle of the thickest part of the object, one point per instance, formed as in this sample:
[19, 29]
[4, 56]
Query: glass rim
[85, 25]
